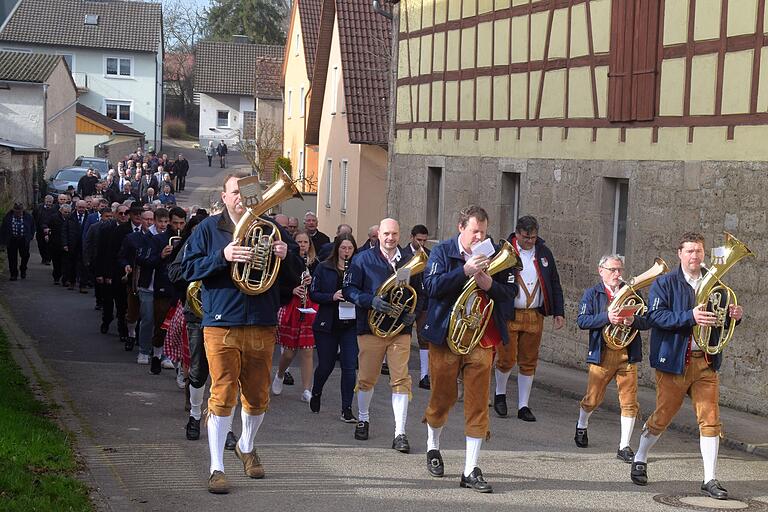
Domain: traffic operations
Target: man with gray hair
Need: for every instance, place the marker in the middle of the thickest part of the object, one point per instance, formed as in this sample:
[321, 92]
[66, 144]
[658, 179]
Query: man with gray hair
[606, 363]
[293, 225]
[318, 238]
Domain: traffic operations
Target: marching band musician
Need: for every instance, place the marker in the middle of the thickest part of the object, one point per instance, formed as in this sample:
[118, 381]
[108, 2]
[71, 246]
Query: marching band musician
[238, 331]
[539, 295]
[682, 368]
[450, 264]
[419, 236]
[367, 272]
[605, 363]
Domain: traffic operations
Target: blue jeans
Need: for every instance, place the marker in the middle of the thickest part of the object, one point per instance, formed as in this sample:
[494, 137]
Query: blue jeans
[328, 345]
[147, 325]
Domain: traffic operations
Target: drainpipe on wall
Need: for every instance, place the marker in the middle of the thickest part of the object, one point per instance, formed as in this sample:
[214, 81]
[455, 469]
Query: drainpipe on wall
[304, 143]
[379, 10]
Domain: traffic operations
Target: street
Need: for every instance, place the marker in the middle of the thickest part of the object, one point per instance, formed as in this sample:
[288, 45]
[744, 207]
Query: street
[131, 433]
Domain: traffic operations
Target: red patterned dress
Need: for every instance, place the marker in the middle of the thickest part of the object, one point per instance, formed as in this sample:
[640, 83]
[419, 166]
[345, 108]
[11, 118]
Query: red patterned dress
[294, 330]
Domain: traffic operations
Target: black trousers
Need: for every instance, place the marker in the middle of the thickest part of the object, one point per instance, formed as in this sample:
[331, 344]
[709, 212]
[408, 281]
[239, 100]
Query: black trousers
[18, 248]
[198, 362]
[115, 303]
[181, 182]
[57, 260]
[71, 263]
[209, 160]
[43, 247]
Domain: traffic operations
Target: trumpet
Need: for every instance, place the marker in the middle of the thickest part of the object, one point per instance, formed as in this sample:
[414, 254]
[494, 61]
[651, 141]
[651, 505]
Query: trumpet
[175, 239]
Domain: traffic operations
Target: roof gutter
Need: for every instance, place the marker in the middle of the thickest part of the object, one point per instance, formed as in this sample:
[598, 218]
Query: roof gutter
[379, 10]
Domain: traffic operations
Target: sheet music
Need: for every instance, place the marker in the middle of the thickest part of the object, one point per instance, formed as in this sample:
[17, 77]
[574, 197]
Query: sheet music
[347, 311]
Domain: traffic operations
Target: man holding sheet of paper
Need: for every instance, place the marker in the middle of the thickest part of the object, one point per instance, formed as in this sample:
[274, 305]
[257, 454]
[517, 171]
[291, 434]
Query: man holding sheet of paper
[605, 363]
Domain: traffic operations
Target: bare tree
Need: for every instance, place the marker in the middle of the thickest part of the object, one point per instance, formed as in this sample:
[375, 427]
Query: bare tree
[184, 24]
[261, 149]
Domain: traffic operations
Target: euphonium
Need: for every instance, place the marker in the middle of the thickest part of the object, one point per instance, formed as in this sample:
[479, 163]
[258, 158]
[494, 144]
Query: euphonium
[620, 336]
[469, 318]
[194, 302]
[400, 295]
[258, 275]
[718, 297]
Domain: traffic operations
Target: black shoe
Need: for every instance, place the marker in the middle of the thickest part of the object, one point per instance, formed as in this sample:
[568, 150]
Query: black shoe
[424, 383]
[13, 278]
[400, 443]
[384, 369]
[193, 429]
[56, 283]
[97, 307]
[639, 473]
[23, 275]
[347, 416]
[314, 403]
[713, 489]
[475, 481]
[155, 366]
[104, 327]
[625, 455]
[525, 414]
[361, 431]
[500, 405]
[288, 378]
[582, 440]
[231, 441]
[129, 342]
[435, 465]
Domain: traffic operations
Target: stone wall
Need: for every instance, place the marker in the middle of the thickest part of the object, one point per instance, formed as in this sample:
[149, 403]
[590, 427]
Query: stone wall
[574, 203]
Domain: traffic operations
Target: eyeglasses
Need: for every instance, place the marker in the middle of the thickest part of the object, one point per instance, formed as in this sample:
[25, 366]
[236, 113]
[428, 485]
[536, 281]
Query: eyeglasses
[122, 213]
[613, 270]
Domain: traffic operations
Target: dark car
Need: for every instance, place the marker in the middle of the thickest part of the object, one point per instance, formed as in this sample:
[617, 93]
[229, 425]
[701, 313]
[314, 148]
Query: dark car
[65, 177]
[102, 165]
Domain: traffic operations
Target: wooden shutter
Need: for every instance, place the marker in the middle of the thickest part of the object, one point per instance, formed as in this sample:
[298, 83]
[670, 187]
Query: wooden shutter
[633, 60]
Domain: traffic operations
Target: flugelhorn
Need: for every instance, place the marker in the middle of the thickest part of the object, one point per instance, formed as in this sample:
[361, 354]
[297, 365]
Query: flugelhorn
[400, 295]
[194, 301]
[620, 336]
[718, 297]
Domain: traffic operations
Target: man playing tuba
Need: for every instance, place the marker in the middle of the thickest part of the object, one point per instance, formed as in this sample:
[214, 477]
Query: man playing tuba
[606, 363]
[238, 330]
[681, 366]
[451, 264]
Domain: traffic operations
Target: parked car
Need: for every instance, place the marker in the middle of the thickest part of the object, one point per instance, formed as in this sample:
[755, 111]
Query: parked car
[65, 177]
[102, 165]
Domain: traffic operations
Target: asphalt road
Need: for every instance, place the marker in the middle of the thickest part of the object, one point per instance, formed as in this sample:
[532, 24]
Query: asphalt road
[131, 436]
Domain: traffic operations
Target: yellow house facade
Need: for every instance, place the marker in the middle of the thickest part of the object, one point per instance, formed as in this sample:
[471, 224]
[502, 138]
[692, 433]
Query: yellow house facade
[619, 124]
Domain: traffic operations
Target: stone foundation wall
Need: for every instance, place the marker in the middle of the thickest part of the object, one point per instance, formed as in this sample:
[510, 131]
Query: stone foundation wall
[573, 201]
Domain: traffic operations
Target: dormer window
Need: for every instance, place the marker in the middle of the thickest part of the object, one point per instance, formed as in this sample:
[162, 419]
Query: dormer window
[91, 19]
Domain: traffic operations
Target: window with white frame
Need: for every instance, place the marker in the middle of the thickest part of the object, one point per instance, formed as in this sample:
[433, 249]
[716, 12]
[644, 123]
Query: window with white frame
[119, 110]
[69, 59]
[301, 167]
[334, 89]
[328, 182]
[222, 119]
[118, 67]
[302, 101]
[290, 103]
[344, 167]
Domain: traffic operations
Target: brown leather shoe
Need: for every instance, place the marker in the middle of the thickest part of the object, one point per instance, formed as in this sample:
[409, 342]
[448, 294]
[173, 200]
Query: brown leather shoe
[218, 483]
[251, 463]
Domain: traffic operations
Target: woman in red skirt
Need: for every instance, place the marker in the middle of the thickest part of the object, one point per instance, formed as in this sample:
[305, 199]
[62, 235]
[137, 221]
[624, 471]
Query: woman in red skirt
[294, 326]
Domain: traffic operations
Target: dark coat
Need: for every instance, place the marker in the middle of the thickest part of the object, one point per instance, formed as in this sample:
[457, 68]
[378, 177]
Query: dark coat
[5, 228]
[549, 279]
[325, 283]
[181, 167]
[72, 234]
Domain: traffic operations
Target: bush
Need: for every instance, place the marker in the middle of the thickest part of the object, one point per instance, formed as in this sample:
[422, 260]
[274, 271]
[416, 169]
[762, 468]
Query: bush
[175, 127]
[285, 163]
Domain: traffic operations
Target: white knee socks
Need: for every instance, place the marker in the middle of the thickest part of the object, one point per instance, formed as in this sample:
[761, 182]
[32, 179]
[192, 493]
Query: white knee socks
[433, 437]
[218, 427]
[473, 452]
[524, 384]
[251, 425]
[196, 401]
[501, 381]
[583, 418]
[647, 440]
[364, 403]
[400, 408]
[424, 363]
[627, 425]
[709, 447]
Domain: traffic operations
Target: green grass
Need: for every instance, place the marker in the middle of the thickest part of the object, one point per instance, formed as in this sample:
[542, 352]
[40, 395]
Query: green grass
[37, 464]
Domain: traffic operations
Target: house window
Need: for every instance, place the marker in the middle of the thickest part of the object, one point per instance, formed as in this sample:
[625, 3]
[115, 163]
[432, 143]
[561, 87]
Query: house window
[298, 36]
[222, 119]
[328, 182]
[344, 167]
[69, 59]
[290, 102]
[301, 167]
[334, 89]
[634, 60]
[620, 207]
[119, 67]
[434, 197]
[301, 101]
[510, 202]
[119, 110]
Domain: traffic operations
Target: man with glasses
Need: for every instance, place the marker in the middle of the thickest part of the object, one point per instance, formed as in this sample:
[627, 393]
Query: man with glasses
[539, 295]
[605, 363]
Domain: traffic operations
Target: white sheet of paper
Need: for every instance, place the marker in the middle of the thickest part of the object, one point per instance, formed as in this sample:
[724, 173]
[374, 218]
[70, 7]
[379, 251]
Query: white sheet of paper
[346, 311]
[307, 311]
[485, 248]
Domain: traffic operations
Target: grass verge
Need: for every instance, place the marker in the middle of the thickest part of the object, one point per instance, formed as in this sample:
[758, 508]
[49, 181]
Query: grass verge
[37, 464]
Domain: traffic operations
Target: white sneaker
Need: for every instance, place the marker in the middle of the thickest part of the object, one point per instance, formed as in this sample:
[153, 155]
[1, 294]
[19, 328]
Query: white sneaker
[180, 377]
[306, 396]
[168, 364]
[277, 385]
[142, 359]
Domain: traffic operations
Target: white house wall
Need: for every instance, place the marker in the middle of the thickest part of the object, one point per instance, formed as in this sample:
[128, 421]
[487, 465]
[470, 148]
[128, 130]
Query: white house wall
[22, 114]
[210, 105]
[61, 112]
[86, 142]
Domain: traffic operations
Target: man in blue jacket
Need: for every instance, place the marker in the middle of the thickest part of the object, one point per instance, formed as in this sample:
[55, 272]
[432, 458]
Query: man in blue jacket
[682, 368]
[451, 264]
[238, 329]
[16, 232]
[367, 272]
[539, 295]
[419, 236]
[606, 363]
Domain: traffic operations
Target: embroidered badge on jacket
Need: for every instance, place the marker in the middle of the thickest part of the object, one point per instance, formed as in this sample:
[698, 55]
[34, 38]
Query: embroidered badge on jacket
[544, 262]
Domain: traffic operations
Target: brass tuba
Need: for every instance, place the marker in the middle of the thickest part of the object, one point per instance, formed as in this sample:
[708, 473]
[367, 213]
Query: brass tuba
[718, 297]
[620, 336]
[194, 302]
[402, 297]
[468, 321]
[258, 275]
